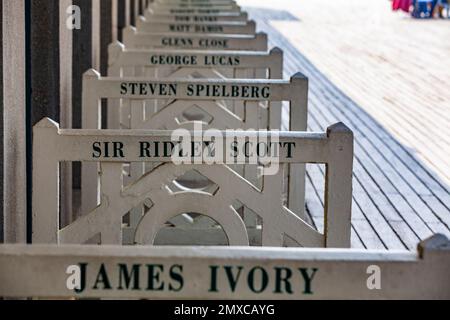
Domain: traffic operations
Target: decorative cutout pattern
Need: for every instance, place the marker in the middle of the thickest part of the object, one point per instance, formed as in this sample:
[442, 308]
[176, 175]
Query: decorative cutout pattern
[53, 145]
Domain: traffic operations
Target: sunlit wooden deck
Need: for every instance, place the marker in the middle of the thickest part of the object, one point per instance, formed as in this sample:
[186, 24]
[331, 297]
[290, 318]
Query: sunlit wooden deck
[388, 78]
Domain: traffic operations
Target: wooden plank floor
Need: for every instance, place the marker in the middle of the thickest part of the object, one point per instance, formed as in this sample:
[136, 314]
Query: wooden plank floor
[391, 92]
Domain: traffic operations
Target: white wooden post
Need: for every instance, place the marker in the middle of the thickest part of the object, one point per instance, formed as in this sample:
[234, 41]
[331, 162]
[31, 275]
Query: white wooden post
[13, 96]
[298, 122]
[91, 119]
[339, 175]
[46, 174]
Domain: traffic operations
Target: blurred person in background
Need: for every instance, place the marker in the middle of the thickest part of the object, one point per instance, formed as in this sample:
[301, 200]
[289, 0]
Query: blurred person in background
[440, 6]
[423, 8]
[403, 5]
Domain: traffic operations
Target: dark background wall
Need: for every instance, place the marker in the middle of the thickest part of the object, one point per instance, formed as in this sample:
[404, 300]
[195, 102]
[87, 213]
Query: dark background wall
[45, 60]
[121, 22]
[41, 52]
[82, 57]
[1, 122]
[82, 61]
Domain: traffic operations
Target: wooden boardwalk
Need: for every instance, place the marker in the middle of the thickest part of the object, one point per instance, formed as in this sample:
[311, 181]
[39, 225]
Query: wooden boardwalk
[391, 92]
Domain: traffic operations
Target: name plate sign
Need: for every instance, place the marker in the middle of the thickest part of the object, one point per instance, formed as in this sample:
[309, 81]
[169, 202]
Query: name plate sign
[210, 27]
[121, 57]
[223, 17]
[229, 146]
[195, 1]
[196, 11]
[220, 17]
[251, 90]
[221, 273]
[134, 39]
[206, 6]
[194, 90]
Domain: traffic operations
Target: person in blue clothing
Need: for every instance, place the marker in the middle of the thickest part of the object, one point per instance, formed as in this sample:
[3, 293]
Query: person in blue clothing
[426, 8]
[423, 8]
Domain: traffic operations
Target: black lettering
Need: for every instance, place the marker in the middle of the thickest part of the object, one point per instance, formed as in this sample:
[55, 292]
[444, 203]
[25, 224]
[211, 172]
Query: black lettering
[83, 267]
[216, 91]
[118, 150]
[264, 280]
[123, 88]
[134, 87]
[265, 92]
[232, 279]
[176, 275]
[157, 149]
[142, 89]
[190, 90]
[172, 89]
[235, 149]
[126, 277]
[162, 89]
[152, 87]
[255, 92]
[200, 89]
[102, 279]
[245, 92]
[235, 91]
[213, 287]
[154, 275]
[262, 149]
[280, 279]
[154, 59]
[168, 148]
[97, 147]
[145, 149]
[290, 146]
[308, 279]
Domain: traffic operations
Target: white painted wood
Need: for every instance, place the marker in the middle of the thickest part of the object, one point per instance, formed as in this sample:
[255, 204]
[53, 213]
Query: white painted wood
[195, 1]
[338, 273]
[223, 63]
[53, 145]
[298, 122]
[193, 5]
[294, 91]
[150, 26]
[194, 10]
[257, 65]
[199, 5]
[46, 184]
[65, 93]
[14, 122]
[196, 18]
[223, 17]
[92, 120]
[138, 40]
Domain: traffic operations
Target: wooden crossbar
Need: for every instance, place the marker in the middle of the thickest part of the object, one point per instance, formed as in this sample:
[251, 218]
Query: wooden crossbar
[132, 38]
[200, 273]
[231, 27]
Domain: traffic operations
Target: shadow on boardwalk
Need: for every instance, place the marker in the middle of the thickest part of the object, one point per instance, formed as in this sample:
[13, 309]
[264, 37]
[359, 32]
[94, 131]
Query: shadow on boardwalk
[397, 200]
